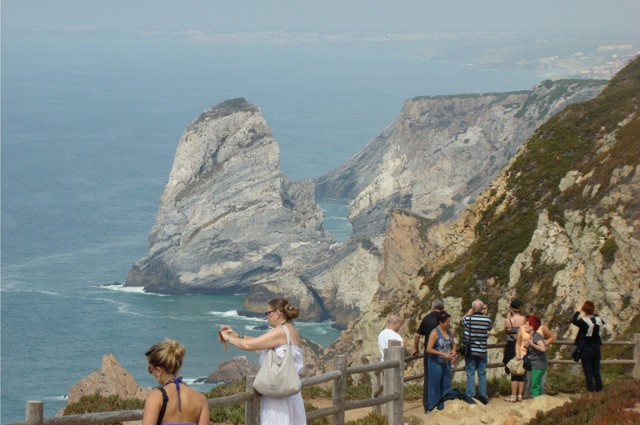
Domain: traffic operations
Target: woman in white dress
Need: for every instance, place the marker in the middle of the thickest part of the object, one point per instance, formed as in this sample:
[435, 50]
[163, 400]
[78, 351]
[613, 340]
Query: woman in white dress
[275, 411]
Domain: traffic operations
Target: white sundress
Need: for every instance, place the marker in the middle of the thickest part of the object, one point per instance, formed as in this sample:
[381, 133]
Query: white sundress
[287, 410]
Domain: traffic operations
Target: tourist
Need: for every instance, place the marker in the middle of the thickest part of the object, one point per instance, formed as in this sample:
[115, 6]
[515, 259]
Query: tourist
[173, 402]
[522, 346]
[512, 324]
[390, 333]
[537, 353]
[549, 338]
[442, 359]
[476, 326]
[280, 313]
[589, 341]
[428, 323]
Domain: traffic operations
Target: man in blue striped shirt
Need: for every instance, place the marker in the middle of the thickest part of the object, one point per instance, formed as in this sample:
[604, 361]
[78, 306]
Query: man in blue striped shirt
[476, 326]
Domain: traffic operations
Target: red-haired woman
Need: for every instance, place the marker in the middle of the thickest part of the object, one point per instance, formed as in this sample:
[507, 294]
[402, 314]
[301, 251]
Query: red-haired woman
[537, 354]
[589, 340]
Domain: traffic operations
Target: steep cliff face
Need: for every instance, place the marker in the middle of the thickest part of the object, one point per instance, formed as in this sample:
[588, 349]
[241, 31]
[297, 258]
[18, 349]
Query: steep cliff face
[228, 217]
[441, 151]
[559, 225]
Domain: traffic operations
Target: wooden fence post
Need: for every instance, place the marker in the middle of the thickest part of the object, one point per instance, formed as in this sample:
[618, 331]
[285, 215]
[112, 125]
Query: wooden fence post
[636, 357]
[339, 389]
[376, 388]
[387, 380]
[395, 415]
[251, 406]
[35, 412]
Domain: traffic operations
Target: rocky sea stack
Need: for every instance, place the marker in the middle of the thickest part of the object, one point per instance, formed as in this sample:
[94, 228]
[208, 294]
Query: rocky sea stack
[228, 217]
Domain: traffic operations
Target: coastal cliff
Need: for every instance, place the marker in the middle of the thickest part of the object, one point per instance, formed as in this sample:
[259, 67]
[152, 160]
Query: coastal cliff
[230, 221]
[430, 163]
[442, 151]
[559, 225]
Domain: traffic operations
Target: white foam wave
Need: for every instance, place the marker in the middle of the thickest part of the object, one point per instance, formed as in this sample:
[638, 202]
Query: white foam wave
[194, 381]
[16, 288]
[322, 325]
[56, 398]
[129, 289]
[233, 314]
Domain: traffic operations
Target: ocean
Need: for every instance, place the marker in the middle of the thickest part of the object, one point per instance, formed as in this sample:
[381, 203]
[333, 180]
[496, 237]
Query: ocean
[90, 125]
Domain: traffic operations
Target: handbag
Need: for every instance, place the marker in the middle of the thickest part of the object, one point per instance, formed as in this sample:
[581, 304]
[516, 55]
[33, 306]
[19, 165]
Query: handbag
[526, 362]
[576, 353]
[516, 366]
[278, 378]
[463, 348]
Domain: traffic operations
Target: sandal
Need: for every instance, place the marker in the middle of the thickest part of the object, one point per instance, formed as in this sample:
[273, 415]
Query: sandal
[510, 399]
[519, 397]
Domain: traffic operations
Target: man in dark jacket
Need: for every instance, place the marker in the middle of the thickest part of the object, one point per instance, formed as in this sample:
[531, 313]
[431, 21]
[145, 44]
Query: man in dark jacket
[429, 323]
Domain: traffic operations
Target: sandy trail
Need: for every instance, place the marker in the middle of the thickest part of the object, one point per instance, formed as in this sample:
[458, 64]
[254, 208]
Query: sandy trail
[456, 412]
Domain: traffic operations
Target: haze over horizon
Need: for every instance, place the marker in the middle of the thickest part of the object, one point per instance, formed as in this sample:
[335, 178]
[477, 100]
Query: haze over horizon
[327, 16]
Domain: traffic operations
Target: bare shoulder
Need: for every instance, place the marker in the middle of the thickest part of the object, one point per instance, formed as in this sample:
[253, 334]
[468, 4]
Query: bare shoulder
[293, 333]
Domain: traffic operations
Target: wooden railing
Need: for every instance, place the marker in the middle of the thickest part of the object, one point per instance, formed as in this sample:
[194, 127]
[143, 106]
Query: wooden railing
[635, 361]
[389, 393]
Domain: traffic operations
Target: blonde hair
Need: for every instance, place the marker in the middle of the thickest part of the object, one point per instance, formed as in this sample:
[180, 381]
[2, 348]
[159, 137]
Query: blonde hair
[167, 354]
[285, 307]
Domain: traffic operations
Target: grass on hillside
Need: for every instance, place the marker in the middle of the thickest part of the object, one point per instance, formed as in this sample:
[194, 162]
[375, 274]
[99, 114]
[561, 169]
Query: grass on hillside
[615, 405]
[566, 142]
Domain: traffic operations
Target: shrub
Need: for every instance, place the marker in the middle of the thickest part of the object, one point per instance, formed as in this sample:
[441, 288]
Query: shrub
[613, 406]
[320, 421]
[316, 392]
[498, 386]
[97, 403]
[228, 415]
[565, 379]
[608, 250]
[226, 389]
[413, 392]
[370, 419]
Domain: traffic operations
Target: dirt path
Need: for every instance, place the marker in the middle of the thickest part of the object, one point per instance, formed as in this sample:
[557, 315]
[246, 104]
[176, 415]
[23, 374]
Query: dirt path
[497, 412]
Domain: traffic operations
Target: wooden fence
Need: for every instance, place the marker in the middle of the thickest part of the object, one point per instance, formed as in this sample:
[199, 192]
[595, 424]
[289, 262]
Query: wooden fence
[390, 392]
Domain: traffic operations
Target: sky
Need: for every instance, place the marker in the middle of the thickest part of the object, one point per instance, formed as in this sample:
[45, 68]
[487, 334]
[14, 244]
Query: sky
[324, 15]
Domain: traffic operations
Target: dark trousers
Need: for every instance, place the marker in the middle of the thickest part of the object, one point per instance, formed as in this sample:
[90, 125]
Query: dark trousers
[590, 360]
[425, 392]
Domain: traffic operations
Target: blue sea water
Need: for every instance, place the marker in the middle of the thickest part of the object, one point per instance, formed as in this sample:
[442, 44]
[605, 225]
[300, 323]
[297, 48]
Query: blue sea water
[90, 124]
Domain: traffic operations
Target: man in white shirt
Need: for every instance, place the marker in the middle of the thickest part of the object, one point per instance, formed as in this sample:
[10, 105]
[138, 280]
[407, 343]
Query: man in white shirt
[390, 333]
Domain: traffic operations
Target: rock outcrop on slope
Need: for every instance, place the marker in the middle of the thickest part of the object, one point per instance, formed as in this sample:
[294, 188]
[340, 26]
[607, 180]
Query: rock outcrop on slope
[559, 225]
[232, 371]
[110, 379]
[441, 151]
[228, 217]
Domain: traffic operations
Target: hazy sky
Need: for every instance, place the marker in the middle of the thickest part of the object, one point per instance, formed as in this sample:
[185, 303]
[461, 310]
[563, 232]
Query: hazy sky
[325, 15]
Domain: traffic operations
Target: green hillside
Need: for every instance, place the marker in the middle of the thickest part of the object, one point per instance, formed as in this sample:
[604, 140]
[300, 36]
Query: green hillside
[566, 142]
